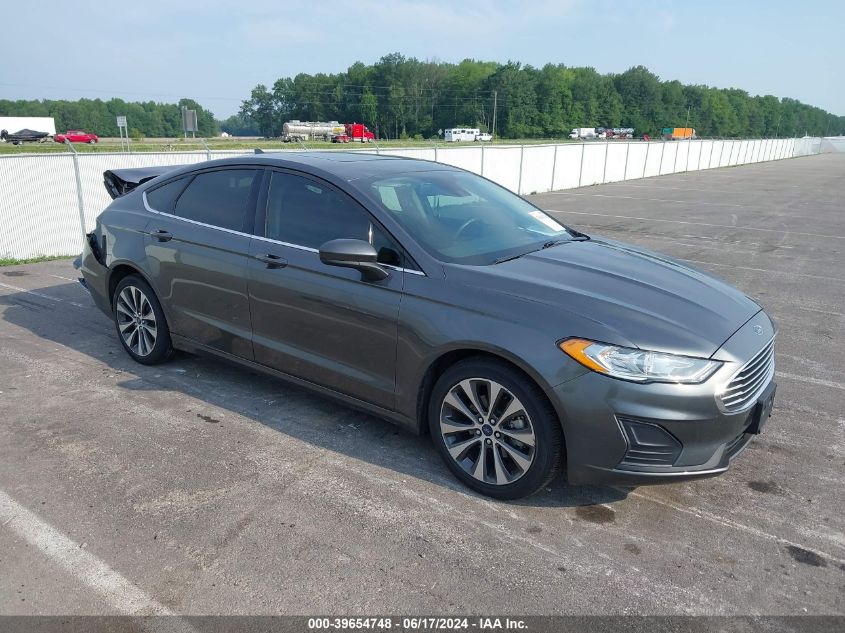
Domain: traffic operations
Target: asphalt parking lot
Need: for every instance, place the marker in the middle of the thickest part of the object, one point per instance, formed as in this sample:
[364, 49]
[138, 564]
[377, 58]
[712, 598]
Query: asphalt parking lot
[197, 488]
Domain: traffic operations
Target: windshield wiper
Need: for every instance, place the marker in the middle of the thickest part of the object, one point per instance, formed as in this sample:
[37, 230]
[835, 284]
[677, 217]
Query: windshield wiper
[577, 237]
[501, 260]
[551, 243]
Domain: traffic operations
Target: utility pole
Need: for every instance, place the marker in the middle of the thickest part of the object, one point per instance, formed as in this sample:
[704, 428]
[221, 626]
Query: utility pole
[495, 96]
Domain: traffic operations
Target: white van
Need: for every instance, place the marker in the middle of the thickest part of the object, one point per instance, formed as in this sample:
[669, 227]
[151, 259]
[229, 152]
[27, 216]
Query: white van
[461, 134]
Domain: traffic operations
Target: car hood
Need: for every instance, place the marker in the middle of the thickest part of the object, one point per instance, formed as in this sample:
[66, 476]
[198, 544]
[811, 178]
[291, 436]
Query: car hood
[648, 299]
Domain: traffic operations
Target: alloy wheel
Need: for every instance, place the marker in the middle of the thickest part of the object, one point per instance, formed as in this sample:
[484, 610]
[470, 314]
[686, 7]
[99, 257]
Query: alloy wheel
[136, 320]
[487, 431]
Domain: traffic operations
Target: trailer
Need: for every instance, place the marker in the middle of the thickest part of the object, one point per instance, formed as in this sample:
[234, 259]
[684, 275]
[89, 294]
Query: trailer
[583, 132]
[297, 130]
[454, 135]
[678, 133]
[44, 126]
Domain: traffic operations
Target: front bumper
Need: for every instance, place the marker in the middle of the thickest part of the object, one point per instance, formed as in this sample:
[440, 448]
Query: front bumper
[626, 433]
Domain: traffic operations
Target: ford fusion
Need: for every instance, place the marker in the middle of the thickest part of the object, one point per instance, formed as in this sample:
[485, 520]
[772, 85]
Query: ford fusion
[441, 301]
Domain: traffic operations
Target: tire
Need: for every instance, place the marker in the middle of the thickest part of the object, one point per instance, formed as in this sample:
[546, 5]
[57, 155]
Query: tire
[92, 142]
[512, 468]
[140, 323]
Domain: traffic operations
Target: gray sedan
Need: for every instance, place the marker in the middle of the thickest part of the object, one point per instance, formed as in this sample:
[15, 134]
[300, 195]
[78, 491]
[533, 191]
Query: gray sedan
[437, 299]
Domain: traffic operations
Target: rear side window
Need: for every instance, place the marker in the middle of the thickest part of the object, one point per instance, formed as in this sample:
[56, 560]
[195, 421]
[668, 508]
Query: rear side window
[164, 198]
[219, 198]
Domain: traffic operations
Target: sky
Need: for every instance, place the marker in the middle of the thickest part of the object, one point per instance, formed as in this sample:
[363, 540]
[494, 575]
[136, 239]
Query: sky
[216, 51]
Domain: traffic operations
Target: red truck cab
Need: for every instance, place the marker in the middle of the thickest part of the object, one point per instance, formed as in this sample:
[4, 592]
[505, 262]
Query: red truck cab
[359, 132]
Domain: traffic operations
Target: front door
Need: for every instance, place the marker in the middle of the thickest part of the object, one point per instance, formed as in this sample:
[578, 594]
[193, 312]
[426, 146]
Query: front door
[318, 322]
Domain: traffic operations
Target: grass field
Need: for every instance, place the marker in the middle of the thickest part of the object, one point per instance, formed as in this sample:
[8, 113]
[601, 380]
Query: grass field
[7, 261]
[183, 145]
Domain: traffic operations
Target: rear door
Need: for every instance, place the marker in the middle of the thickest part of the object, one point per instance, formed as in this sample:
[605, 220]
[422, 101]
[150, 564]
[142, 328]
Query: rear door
[318, 322]
[198, 248]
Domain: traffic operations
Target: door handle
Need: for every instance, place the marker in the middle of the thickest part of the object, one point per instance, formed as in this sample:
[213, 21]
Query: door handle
[161, 235]
[272, 261]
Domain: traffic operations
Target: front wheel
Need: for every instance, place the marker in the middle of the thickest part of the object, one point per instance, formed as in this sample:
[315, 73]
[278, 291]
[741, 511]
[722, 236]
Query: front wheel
[495, 429]
[140, 322]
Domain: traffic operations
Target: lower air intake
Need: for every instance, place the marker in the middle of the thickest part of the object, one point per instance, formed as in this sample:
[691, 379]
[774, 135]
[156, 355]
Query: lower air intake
[649, 444]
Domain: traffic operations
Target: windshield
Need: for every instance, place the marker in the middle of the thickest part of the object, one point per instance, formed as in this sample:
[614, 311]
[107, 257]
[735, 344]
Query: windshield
[462, 218]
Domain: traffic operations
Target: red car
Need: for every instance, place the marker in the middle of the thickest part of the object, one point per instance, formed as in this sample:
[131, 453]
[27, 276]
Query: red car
[341, 138]
[77, 136]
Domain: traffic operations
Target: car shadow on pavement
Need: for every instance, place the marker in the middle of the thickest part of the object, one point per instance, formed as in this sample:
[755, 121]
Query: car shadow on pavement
[270, 401]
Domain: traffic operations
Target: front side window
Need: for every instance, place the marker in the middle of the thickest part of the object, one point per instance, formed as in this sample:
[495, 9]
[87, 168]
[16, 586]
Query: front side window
[462, 218]
[307, 213]
[219, 198]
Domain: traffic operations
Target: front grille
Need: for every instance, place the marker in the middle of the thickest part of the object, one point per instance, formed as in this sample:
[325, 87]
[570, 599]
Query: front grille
[747, 384]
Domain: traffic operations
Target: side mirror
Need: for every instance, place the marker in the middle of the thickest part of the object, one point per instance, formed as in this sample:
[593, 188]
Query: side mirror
[356, 254]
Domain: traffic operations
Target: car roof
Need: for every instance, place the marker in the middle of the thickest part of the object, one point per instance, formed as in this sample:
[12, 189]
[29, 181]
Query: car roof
[347, 166]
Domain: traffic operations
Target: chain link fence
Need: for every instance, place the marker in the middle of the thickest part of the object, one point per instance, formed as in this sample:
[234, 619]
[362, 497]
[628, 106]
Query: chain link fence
[48, 201]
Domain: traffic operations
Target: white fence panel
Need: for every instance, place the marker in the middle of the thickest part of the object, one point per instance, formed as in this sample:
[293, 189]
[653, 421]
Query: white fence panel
[706, 152]
[464, 157]
[693, 156]
[501, 165]
[667, 161]
[737, 153]
[654, 156]
[38, 206]
[614, 168]
[677, 163]
[567, 166]
[740, 153]
[537, 165]
[636, 160]
[592, 163]
[730, 152]
[424, 153]
[724, 154]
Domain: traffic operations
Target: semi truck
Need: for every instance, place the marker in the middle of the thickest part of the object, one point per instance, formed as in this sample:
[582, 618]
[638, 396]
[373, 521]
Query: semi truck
[296, 130]
[359, 132]
[678, 133]
[583, 132]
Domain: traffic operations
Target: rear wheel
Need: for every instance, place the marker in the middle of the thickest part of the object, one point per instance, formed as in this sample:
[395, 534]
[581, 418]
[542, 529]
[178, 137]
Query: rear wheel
[495, 429]
[140, 321]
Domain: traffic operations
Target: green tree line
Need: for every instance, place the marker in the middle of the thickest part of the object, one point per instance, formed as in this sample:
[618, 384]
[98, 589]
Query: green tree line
[147, 119]
[402, 97]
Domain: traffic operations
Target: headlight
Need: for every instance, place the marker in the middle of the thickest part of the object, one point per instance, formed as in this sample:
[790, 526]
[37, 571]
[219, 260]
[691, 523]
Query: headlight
[639, 365]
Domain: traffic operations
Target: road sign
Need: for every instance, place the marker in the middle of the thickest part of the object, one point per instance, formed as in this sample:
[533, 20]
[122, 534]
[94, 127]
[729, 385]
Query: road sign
[189, 121]
[123, 131]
